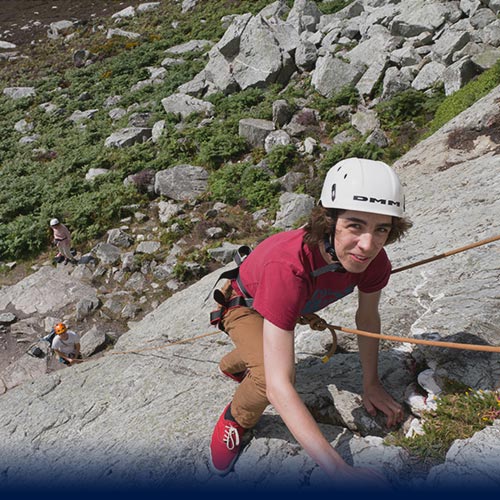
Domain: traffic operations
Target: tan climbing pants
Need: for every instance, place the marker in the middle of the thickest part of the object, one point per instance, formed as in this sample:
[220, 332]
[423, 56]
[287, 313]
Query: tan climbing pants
[245, 327]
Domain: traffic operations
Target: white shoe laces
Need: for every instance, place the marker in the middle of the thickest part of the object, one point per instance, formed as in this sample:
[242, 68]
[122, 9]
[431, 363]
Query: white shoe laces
[231, 437]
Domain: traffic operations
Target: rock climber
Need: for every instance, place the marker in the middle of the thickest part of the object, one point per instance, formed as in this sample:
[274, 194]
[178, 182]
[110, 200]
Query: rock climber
[299, 272]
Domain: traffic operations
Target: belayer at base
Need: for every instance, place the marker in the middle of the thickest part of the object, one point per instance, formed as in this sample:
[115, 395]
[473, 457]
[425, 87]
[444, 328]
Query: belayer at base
[66, 344]
[299, 272]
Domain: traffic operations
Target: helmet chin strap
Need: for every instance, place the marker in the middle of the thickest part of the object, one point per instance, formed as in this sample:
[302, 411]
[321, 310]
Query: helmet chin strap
[335, 266]
[329, 248]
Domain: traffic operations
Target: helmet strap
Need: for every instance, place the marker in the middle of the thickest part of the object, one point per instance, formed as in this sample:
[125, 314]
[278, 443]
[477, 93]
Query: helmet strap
[330, 250]
[334, 267]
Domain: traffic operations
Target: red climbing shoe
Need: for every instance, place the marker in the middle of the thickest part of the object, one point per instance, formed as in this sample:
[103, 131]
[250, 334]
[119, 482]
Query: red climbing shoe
[226, 443]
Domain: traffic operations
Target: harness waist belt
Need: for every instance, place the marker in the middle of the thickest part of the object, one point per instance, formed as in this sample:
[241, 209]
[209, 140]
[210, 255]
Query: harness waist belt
[238, 301]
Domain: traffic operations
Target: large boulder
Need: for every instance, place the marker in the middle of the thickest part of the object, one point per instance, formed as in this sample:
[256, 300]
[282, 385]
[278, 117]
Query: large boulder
[332, 74]
[181, 182]
[47, 290]
[184, 105]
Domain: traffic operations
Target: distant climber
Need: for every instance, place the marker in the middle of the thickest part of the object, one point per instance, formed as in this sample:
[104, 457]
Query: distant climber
[66, 345]
[62, 239]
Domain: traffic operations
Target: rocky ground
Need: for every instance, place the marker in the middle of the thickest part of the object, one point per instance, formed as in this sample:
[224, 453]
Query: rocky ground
[25, 22]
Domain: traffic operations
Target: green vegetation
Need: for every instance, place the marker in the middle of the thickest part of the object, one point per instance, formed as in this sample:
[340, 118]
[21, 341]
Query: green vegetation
[406, 117]
[281, 158]
[243, 184]
[465, 97]
[46, 178]
[458, 416]
[332, 6]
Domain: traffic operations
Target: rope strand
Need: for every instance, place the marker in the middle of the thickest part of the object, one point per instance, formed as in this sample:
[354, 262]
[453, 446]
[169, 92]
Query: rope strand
[446, 254]
[317, 323]
[176, 342]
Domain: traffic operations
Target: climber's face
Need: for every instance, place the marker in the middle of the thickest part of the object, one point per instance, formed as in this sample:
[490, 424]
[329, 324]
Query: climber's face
[359, 237]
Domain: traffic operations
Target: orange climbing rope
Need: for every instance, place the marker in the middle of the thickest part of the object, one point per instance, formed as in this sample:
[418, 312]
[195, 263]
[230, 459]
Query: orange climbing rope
[447, 254]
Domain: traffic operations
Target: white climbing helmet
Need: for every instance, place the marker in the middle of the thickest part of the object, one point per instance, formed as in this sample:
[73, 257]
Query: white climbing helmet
[363, 185]
[54, 222]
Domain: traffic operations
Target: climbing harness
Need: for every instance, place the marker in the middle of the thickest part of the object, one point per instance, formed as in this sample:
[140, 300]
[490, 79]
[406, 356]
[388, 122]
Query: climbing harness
[317, 323]
[223, 297]
[227, 300]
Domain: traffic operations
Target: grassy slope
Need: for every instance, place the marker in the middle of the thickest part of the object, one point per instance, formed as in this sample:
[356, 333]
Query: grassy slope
[47, 178]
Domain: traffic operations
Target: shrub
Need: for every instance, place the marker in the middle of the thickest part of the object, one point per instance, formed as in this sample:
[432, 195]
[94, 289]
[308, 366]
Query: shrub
[406, 117]
[457, 102]
[26, 235]
[220, 148]
[243, 183]
[224, 184]
[327, 107]
[333, 6]
[256, 188]
[280, 158]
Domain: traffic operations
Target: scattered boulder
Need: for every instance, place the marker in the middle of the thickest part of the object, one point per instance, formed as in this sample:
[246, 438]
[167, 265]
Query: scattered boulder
[120, 238]
[106, 253]
[95, 172]
[60, 28]
[255, 130]
[191, 46]
[293, 208]
[184, 105]
[148, 247]
[86, 306]
[181, 182]
[19, 92]
[93, 341]
[7, 318]
[128, 136]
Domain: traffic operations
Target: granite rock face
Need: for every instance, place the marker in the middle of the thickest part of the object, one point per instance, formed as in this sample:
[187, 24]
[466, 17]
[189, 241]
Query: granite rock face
[145, 410]
[142, 413]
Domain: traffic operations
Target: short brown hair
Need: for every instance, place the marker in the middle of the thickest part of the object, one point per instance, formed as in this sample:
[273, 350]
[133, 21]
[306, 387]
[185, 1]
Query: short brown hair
[322, 221]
